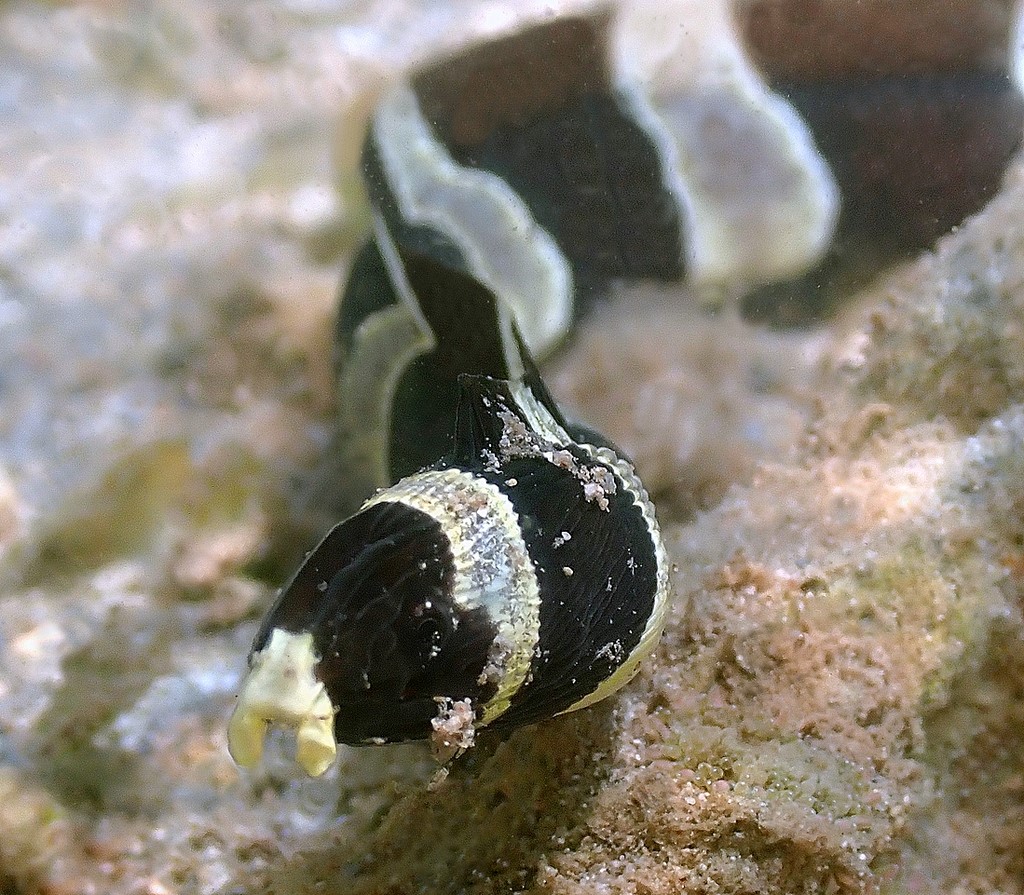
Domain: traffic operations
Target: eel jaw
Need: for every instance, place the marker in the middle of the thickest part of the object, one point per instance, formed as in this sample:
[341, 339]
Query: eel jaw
[281, 688]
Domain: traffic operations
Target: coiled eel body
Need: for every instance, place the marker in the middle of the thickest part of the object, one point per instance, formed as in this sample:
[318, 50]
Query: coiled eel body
[509, 567]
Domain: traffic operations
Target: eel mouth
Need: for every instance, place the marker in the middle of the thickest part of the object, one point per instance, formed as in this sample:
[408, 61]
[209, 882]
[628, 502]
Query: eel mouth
[281, 688]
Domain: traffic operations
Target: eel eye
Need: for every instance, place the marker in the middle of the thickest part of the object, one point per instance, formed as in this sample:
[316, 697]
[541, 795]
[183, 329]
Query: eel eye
[429, 638]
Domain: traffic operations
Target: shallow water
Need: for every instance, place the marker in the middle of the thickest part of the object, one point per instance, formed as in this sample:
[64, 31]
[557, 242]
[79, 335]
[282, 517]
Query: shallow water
[175, 214]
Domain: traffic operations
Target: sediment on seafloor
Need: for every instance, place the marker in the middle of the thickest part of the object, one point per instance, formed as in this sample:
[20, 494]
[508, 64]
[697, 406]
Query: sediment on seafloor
[839, 709]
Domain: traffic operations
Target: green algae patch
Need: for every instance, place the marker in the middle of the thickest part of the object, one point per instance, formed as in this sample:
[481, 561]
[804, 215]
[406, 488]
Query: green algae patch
[929, 608]
[151, 503]
[34, 828]
[101, 680]
[119, 517]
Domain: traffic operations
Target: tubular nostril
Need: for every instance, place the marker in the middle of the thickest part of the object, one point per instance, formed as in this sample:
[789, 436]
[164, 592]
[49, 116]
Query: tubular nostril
[281, 688]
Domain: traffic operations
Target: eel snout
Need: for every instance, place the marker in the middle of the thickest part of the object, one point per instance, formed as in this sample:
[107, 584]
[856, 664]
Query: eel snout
[281, 688]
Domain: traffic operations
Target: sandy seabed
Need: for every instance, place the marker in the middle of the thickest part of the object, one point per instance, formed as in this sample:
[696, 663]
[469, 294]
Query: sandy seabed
[838, 702]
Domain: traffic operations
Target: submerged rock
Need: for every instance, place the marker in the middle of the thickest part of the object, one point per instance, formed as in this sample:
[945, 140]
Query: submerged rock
[839, 710]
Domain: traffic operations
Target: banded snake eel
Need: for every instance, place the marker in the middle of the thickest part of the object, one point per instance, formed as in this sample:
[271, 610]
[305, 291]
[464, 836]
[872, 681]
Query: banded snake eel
[509, 566]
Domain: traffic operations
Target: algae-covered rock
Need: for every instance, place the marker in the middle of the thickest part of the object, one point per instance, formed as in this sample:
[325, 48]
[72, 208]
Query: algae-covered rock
[840, 707]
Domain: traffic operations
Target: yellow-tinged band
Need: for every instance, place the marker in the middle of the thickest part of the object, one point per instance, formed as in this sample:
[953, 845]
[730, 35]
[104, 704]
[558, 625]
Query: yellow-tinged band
[492, 568]
[622, 675]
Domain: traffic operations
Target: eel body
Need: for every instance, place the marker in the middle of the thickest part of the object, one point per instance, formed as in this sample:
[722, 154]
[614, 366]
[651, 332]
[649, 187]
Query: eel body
[507, 564]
